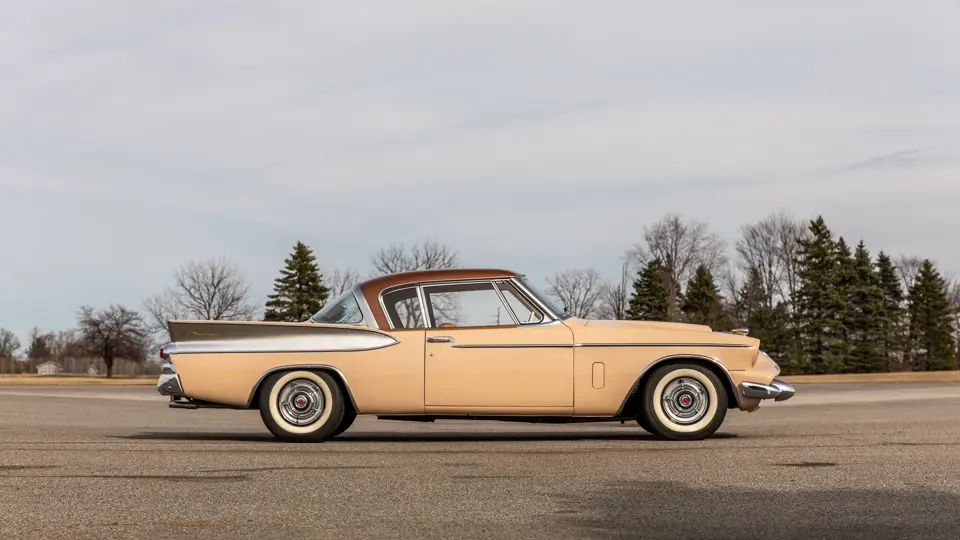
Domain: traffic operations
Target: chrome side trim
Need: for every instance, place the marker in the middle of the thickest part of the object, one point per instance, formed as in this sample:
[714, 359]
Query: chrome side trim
[331, 341]
[652, 344]
[293, 367]
[517, 346]
[577, 345]
[636, 385]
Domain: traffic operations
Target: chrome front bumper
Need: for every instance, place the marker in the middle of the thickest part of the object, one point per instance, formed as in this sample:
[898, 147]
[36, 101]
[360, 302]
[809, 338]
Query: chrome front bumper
[777, 390]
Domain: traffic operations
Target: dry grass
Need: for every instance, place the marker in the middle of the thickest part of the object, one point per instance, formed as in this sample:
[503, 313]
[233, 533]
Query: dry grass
[899, 377]
[58, 380]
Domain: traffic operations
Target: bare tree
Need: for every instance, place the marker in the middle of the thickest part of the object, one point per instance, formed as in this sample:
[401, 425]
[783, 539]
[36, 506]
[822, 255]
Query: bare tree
[578, 290]
[66, 344]
[770, 249]
[615, 296]
[9, 344]
[115, 332]
[908, 268]
[954, 295]
[340, 280]
[681, 246]
[215, 289]
[424, 255]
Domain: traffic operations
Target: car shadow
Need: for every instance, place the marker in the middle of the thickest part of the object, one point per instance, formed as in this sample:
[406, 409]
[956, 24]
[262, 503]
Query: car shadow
[408, 437]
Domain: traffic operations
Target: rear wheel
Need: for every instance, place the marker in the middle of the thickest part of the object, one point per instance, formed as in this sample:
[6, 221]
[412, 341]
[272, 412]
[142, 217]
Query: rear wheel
[683, 402]
[302, 406]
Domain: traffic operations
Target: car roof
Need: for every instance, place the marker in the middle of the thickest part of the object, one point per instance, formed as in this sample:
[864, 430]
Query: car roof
[372, 288]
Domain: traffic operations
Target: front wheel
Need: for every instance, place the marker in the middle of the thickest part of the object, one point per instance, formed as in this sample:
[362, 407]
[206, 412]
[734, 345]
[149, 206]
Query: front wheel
[301, 406]
[683, 402]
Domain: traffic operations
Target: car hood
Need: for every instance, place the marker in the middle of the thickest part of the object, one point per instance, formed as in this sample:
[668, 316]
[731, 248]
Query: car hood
[658, 331]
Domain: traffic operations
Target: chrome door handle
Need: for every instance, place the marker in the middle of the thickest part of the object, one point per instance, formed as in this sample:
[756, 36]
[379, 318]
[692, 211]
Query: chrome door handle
[440, 339]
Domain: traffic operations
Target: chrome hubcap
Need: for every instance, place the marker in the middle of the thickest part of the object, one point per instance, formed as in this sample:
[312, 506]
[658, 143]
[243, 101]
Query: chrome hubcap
[301, 402]
[685, 401]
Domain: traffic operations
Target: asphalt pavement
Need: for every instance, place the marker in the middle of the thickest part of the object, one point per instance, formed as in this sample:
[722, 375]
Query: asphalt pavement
[863, 461]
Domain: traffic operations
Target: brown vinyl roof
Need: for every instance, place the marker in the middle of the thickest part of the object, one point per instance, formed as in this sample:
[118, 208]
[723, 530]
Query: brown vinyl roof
[371, 288]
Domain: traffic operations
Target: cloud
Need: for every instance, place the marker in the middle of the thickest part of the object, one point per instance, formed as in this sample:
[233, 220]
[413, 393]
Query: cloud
[535, 135]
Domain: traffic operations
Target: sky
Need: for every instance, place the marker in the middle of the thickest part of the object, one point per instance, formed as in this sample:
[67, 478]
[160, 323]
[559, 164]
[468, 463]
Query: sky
[536, 136]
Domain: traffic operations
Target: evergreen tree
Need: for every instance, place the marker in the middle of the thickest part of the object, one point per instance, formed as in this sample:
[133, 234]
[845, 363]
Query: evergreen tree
[771, 325]
[931, 321]
[650, 300]
[819, 301]
[299, 292]
[701, 302]
[891, 316]
[864, 316]
[844, 312]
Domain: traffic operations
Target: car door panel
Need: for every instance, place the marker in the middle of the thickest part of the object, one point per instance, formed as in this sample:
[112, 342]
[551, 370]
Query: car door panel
[513, 367]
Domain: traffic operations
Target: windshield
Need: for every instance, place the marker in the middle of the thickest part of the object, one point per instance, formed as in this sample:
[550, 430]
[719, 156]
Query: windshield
[544, 299]
[343, 310]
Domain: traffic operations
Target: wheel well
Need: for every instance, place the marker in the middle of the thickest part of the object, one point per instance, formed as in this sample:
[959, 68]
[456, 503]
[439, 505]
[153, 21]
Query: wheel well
[634, 401]
[337, 376]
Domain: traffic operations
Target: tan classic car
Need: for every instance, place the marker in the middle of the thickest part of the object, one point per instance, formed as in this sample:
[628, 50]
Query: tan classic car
[465, 344]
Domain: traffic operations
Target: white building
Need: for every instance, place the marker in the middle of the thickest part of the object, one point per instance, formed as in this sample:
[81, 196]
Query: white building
[49, 368]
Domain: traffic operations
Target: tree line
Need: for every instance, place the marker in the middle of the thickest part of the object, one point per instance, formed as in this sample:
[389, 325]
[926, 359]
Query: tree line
[816, 304]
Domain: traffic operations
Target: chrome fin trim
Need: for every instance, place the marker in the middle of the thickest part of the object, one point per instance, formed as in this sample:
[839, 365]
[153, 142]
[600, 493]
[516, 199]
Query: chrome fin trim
[340, 340]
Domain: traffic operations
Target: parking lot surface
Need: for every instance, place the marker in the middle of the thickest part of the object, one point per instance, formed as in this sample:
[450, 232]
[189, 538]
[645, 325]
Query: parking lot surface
[868, 461]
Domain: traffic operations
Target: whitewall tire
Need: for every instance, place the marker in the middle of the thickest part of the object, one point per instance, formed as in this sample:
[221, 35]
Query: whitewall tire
[301, 406]
[683, 402]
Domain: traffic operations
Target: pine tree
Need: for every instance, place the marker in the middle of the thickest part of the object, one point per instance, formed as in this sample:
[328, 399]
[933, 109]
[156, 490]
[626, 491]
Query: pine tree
[701, 301]
[650, 300]
[863, 316]
[844, 312]
[771, 325]
[931, 321]
[299, 292]
[819, 301]
[891, 316]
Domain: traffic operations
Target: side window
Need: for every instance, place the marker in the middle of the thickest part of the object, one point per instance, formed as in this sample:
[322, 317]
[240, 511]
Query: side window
[466, 304]
[525, 311]
[403, 308]
[343, 310]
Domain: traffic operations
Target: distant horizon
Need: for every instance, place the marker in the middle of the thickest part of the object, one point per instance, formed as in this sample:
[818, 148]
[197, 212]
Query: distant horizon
[533, 137]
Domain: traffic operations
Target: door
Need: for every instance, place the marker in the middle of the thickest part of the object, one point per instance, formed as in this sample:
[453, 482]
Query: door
[479, 357]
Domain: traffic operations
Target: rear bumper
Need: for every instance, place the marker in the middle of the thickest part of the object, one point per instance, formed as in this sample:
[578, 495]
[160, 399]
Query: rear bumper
[169, 385]
[777, 390]
[169, 382]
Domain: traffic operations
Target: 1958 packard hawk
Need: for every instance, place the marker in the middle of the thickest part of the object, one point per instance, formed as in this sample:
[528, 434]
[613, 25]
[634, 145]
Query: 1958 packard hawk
[465, 344]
